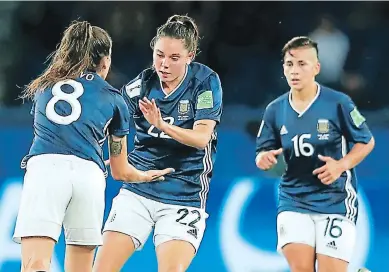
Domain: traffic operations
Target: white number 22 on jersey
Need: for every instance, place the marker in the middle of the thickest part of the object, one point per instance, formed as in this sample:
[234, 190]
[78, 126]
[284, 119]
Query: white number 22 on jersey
[301, 147]
[71, 98]
[162, 134]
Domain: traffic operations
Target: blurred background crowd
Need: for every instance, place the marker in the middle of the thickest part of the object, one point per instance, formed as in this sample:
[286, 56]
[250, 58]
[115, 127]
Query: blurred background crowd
[241, 41]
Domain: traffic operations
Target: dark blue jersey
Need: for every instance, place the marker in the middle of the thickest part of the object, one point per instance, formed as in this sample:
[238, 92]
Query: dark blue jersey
[329, 126]
[198, 97]
[74, 117]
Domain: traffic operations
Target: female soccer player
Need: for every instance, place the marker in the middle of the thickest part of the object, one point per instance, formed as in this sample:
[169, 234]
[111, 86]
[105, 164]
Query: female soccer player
[323, 137]
[176, 106]
[74, 111]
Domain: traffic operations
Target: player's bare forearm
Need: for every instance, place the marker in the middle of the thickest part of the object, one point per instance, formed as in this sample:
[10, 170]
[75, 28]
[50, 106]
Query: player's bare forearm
[197, 137]
[357, 154]
[120, 168]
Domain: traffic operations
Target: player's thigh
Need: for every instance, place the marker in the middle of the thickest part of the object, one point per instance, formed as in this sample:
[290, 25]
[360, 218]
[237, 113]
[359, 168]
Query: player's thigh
[79, 258]
[330, 264]
[46, 194]
[178, 233]
[335, 240]
[127, 228]
[174, 256]
[84, 216]
[296, 240]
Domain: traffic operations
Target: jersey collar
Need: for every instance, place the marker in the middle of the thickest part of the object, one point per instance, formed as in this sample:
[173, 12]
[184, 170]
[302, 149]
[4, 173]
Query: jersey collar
[178, 86]
[310, 104]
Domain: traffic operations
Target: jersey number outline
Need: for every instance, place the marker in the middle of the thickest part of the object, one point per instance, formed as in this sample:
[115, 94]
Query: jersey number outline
[185, 213]
[162, 134]
[302, 148]
[70, 98]
[333, 230]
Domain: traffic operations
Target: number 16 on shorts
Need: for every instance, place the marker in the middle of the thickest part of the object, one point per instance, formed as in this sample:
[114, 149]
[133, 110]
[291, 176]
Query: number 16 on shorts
[335, 237]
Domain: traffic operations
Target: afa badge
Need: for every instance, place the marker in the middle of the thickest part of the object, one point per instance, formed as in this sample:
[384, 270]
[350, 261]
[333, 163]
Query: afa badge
[183, 106]
[323, 126]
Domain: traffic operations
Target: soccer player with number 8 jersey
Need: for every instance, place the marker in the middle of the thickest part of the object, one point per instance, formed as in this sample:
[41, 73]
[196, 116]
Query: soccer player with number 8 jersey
[74, 111]
[176, 106]
[322, 137]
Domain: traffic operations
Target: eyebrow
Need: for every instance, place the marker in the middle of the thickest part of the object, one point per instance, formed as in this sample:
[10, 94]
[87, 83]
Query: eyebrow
[173, 55]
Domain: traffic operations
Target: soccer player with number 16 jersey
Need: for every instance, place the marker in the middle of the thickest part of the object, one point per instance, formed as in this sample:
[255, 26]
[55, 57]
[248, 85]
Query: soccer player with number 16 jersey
[322, 137]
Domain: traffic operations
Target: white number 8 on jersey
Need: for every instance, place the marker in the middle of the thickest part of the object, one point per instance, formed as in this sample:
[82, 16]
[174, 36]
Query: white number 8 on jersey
[71, 98]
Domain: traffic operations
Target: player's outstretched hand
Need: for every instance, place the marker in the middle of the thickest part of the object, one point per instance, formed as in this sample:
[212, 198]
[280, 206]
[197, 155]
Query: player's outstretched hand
[155, 175]
[267, 159]
[151, 112]
[330, 171]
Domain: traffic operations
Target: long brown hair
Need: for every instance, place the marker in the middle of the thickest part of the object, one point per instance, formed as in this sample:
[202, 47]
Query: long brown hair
[81, 48]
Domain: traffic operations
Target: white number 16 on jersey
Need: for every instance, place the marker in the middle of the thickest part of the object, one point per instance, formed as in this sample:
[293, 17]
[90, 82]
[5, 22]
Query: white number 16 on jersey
[301, 147]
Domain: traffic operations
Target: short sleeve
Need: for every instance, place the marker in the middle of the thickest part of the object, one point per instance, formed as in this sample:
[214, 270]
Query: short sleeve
[120, 124]
[266, 137]
[353, 123]
[208, 100]
[131, 93]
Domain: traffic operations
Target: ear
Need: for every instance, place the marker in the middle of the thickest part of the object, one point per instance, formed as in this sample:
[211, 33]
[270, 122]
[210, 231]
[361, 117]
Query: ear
[317, 68]
[104, 62]
[191, 56]
[284, 70]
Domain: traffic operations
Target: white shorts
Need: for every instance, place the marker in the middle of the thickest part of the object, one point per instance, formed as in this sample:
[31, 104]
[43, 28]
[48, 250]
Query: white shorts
[136, 216]
[62, 189]
[330, 234]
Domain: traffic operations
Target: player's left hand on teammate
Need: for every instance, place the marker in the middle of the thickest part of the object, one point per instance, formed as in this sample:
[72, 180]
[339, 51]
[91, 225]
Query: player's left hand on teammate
[330, 171]
[156, 175]
[151, 112]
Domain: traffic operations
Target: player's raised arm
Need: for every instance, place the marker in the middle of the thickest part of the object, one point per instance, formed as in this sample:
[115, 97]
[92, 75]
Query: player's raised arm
[117, 145]
[267, 146]
[208, 107]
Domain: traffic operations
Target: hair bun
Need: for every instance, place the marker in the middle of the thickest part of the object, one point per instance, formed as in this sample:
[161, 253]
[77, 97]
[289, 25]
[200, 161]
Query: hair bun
[184, 20]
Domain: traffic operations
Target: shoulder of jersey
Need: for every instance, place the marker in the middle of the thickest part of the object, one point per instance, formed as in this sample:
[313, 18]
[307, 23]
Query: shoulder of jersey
[278, 100]
[333, 95]
[109, 87]
[133, 88]
[103, 84]
[200, 71]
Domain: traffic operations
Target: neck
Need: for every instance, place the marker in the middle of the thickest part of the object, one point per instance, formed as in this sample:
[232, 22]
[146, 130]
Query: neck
[101, 74]
[170, 86]
[306, 94]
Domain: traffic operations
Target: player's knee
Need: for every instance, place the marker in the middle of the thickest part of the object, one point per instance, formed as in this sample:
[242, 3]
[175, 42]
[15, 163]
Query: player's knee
[88, 248]
[301, 267]
[37, 265]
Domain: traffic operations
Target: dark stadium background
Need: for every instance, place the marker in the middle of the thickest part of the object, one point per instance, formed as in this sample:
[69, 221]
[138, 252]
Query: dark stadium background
[241, 42]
